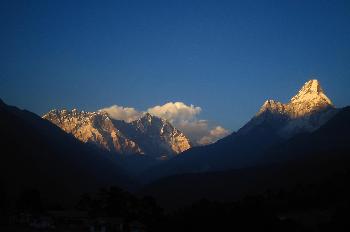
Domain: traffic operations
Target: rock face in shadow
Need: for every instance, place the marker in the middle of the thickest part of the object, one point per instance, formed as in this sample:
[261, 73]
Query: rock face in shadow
[308, 159]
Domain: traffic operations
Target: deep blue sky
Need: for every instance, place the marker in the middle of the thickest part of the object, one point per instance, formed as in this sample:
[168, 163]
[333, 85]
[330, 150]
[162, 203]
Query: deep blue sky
[224, 56]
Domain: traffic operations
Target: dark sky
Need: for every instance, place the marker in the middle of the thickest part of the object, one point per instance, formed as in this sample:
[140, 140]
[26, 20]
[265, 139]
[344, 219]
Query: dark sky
[227, 57]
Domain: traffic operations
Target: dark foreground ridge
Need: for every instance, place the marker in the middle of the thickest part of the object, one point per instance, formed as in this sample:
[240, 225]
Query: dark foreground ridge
[51, 181]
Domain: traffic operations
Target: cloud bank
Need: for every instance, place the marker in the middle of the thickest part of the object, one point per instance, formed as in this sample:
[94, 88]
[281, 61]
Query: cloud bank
[127, 114]
[183, 117]
[175, 111]
[214, 134]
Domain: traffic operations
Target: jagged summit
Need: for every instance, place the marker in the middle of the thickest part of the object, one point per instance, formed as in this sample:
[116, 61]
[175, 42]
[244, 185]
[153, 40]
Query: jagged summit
[146, 135]
[309, 99]
[306, 111]
[311, 91]
[147, 117]
[93, 127]
[310, 88]
[168, 137]
[271, 106]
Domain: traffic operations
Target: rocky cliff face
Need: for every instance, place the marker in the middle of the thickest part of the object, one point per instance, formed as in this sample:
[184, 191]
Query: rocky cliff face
[310, 98]
[148, 135]
[305, 112]
[93, 127]
[162, 132]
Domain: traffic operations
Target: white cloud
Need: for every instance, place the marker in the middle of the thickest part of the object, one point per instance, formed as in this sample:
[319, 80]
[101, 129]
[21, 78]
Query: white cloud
[214, 134]
[177, 111]
[194, 129]
[127, 114]
[182, 116]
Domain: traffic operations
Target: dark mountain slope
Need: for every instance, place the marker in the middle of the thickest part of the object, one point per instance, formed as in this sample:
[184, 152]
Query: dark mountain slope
[331, 138]
[312, 158]
[36, 154]
[234, 151]
[274, 123]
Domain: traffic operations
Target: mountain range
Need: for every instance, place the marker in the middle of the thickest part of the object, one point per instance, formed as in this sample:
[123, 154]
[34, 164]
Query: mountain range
[70, 152]
[148, 135]
[306, 159]
[157, 138]
[316, 159]
[274, 123]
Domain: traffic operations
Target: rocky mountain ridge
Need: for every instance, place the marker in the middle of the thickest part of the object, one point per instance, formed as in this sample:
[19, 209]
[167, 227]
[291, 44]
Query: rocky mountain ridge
[148, 135]
[305, 112]
[309, 99]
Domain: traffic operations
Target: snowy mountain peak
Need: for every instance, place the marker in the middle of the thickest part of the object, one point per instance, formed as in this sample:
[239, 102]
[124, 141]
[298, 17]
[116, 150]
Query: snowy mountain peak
[306, 111]
[310, 98]
[162, 132]
[93, 127]
[311, 91]
[271, 106]
[147, 135]
[312, 86]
